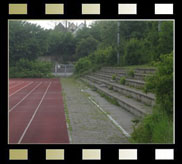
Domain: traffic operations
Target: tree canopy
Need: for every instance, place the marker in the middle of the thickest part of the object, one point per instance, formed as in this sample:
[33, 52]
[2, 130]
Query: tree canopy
[140, 41]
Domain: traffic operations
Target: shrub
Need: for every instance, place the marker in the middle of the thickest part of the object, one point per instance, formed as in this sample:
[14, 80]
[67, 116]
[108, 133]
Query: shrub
[82, 65]
[30, 69]
[122, 80]
[106, 56]
[161, 83]
[114, 77]
[94, 61]
[154, 128]
[158, 127]
[131, 73]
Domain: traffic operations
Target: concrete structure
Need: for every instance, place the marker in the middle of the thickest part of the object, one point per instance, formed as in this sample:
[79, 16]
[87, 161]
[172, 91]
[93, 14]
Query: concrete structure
[132, 99]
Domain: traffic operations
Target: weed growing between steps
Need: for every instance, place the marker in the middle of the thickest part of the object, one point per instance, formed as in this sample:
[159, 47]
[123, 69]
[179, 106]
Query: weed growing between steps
[122, 80]
[131, 73]
[114, 77]
[110, 87]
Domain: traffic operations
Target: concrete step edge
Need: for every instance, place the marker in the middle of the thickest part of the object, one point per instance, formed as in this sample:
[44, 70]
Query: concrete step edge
[149, 95]
[131, 108]
[127, 79]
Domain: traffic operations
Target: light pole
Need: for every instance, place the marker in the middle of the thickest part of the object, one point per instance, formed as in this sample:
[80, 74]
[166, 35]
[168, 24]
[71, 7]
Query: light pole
[118, 41]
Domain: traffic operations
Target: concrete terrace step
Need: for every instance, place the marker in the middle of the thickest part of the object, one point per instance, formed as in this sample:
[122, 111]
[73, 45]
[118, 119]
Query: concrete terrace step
[129, 82]
[145, 70]
[137, 76]
[137, 70]
[148, 99]
[128, 104]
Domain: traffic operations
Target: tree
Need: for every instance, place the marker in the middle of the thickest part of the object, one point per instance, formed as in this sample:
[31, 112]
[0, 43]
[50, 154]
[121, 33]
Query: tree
[133, 54]
[62, 45]
[26, 40]
[85, 47]
[166, 37]
[140, 41]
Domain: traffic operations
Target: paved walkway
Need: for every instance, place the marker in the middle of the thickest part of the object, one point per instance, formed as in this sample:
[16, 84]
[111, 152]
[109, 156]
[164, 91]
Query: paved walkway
[87, 123]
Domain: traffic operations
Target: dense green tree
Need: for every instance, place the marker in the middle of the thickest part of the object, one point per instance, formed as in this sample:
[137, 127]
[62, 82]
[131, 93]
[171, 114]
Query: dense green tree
[86, 46]
[61, 45]
[134, 52]
[140, 41]
[26, 41]
[166, 38]
[82, 33]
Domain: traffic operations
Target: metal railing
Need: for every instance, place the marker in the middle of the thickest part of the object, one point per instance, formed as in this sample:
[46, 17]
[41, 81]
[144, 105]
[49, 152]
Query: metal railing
[63, 69]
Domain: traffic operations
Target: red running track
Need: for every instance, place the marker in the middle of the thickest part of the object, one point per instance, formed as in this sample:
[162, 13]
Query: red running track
[36, 112]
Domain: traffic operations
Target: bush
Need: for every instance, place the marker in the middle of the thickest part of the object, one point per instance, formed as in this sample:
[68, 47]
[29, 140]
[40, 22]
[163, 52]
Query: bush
[114, 77]
[122, 80]
[161, 83]
[158, 127]
[105, 56]
[96, 68]
[154, 128]
[94, 61]
[30, 69]
[131, 73]
[82, 65]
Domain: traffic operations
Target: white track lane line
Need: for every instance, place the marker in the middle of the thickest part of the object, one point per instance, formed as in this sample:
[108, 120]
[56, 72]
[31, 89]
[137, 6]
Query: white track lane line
[114, 122]
[16, 85]
[21, 89]
[33, 115]
[25, 97]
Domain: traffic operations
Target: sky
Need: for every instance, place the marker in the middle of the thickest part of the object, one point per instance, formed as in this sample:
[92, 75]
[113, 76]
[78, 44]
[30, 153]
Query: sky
[50, 24]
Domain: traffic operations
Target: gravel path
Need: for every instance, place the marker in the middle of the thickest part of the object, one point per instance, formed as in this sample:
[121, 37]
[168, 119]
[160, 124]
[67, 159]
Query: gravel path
[86, 122]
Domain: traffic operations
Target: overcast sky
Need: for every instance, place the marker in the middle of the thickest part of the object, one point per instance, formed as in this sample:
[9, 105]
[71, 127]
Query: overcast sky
[50, 24]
